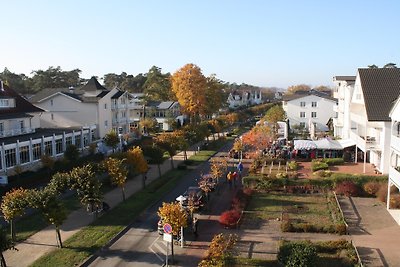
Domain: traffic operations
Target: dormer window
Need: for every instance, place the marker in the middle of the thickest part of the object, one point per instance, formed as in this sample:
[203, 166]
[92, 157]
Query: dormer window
[7, 103]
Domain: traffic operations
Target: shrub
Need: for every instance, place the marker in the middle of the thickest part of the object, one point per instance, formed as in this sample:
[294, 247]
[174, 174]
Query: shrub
[281, 175]
[347, 188]
[333, 161]
[372, 188]
[318, 165]
[182, 166]
[293, 166]
[322, 173]
[299, 254]
[251, 181]
[394, 201]
[229, 218]
[286, 226]
[71, 153]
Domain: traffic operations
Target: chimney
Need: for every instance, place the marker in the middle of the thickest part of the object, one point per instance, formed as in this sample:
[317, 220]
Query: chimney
[1, 86]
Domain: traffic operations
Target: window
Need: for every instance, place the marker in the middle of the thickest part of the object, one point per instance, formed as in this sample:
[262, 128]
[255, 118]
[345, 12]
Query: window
[22, 126]
[59, 146]
[105, 106]
[51, 102]
[68, 141]
[4, 103]
[314, 104]
[302, 104]
[302, 125]
[1, 128]
[313, 114]
[78, 141]
[161, 126]
[302, 114]
[10, 156]
[23, 154]
[48, 148]
[85, 139]
[36, 151]
[52, 116]
[105, 123]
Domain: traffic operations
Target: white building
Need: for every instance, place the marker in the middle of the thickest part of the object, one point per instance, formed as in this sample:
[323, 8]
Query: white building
[238, 99]
[375, 91]
[343, 92]
[306, 109]
[23, 142]
[89, 106]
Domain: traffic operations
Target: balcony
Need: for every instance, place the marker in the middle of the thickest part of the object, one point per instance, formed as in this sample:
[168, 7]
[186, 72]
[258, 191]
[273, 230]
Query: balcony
[394, 175]
[395, 142]
[15, 132]
[119, 106]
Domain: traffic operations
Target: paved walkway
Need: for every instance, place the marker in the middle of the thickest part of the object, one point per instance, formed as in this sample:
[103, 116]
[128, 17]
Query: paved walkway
[44, 241]
[373, 231]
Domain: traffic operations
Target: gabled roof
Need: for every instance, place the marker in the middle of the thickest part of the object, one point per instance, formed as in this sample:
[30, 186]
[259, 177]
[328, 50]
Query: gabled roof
[301, 94]
[93, 85]
[381, 88]
[160, 105]
[22, 105]
[117, 94]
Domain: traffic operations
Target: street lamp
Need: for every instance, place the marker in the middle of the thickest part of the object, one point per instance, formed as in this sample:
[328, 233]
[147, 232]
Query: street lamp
[181, 199]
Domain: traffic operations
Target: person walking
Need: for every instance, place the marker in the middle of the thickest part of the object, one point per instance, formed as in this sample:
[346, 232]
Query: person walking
[234, 177]
[240, 169]
[195, 224]
[229, 178]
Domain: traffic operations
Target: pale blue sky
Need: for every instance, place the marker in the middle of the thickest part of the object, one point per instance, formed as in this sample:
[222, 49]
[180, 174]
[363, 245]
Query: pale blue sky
[265, 43]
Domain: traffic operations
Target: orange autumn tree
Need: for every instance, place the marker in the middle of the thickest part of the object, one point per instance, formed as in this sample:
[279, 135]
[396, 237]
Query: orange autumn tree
[189, 85]
[118, 173]
[257, 138]
[136, 159]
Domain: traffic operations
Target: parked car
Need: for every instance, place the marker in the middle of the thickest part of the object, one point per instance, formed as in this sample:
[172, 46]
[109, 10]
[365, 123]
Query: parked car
[196, 194]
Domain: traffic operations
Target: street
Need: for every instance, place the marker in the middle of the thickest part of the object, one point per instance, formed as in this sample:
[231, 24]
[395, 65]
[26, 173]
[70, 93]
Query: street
[141, 245]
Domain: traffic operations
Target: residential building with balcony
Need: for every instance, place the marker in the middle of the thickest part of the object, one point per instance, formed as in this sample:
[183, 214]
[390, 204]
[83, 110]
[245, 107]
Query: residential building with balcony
[343, 92]
[92, 106]
[238, 99]
[375, 91]
[22, 139]
[306, 108]
[17, 115]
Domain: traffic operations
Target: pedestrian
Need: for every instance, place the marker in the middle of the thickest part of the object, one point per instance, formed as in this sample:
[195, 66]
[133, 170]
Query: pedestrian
[229, 177]
[240, 169]
[195, 224]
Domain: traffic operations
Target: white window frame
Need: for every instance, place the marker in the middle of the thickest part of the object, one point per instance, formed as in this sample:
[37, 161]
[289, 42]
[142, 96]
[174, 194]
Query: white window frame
[302, 114]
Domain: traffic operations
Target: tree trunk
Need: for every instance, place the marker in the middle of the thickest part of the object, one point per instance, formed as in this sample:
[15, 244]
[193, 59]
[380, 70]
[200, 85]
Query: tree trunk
[172, 163]
[3, 260]
[159, 170]
[185, 155]
[58, 236]
[123, 193]
[13, 235]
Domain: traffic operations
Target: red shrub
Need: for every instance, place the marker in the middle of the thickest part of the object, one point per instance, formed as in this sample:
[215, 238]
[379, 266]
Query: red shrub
[382, 192]
[395, 201]
[347, 188]
[229, 218]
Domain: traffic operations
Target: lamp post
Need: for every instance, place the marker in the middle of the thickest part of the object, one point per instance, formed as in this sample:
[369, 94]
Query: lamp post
[181, 199]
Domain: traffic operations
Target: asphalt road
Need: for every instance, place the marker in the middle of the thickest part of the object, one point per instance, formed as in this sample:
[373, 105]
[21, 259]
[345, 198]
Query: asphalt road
[141, 245]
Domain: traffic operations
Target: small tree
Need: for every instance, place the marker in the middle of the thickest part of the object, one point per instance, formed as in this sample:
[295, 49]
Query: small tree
[48, 163]
[218, 168]
[71, 153]
[173, 214]
[148, 125]
[168, 142]
[219, 250]
[136, 159]
[87, 186]
[112, 140]
[156, 155]
[13, 205]
[117, 172]
[47, 202]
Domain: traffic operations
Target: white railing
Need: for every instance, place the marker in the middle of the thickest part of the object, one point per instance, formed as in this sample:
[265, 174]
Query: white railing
[395, 142]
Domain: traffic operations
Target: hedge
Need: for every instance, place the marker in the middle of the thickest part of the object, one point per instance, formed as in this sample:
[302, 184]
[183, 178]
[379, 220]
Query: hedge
[318, 165]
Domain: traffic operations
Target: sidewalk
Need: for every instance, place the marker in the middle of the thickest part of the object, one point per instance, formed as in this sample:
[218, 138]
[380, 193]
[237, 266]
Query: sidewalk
[44, 241]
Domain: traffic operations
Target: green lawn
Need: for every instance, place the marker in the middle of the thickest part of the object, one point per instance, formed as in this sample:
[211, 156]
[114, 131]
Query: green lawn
[300, 207]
